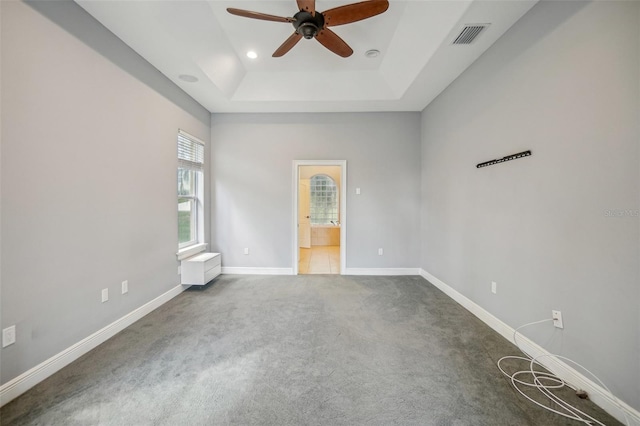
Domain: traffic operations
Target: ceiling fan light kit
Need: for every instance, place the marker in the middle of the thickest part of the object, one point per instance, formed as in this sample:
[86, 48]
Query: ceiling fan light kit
[309, 23]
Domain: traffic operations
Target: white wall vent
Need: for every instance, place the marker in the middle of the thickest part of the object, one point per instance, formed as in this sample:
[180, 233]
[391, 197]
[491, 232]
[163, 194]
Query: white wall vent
[469, 33]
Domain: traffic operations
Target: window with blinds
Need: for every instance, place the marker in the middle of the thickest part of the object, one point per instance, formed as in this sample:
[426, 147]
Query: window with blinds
[190, 181]
[190, 152]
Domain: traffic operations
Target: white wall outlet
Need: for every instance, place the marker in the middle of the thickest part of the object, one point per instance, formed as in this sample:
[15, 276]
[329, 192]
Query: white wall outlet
[105, 294]
[357, 191]
[380, 252]
[494, 287]
[8, 336]
[557, 319]
[125, 286]
[246, 250]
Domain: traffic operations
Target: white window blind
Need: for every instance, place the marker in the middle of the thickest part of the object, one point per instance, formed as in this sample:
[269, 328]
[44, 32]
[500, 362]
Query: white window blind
[190, 152]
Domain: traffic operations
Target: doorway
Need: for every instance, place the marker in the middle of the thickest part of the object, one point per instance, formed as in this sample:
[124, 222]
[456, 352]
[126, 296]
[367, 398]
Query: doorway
[319, 194]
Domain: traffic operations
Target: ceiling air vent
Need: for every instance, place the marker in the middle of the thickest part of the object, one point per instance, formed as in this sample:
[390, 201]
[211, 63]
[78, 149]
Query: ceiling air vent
[469, 33]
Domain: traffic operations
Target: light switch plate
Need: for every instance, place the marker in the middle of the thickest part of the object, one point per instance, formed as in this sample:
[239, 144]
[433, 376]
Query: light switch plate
[8, 336]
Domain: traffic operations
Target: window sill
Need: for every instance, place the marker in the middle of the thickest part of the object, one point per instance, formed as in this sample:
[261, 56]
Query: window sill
[191, 250]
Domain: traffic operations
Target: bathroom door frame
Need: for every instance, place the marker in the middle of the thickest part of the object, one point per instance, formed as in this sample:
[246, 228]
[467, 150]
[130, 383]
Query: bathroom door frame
[343, 208]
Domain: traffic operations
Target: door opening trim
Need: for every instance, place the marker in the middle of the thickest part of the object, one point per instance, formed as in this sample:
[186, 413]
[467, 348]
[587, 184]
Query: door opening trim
[343, 208]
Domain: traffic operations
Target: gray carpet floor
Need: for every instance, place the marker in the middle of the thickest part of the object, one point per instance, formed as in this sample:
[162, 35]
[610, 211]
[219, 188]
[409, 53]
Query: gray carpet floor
[293, 350]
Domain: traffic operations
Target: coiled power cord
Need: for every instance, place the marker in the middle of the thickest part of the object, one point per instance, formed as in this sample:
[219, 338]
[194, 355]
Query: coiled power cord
[546, 382]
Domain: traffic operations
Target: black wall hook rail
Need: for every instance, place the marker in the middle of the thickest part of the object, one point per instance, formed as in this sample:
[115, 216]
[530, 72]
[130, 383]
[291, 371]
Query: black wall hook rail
[503, 159]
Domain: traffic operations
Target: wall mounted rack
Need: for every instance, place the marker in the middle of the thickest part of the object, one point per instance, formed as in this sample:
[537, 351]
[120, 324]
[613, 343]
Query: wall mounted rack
[503, 159]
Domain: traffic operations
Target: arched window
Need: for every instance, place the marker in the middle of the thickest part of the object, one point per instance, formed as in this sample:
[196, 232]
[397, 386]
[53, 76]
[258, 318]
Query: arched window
[324, 200]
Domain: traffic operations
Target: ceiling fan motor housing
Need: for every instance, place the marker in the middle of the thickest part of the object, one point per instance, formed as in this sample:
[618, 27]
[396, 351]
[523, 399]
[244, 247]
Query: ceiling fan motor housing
[307, 24]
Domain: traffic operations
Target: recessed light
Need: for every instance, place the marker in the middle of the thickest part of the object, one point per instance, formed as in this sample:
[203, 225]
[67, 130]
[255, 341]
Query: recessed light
[372, 53]
[251, 54]
[188, 78]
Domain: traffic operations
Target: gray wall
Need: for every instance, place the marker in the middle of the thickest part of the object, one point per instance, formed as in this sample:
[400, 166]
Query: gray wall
[563, 82]
[252, 160]
[88, 178]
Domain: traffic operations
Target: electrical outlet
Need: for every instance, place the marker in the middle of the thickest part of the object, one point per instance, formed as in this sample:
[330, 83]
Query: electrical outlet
[357, 191]
[8, 336]
[125, 286]
[557, 319]
[380, 252]
[494, 287]
[246, 250]
[105, 294]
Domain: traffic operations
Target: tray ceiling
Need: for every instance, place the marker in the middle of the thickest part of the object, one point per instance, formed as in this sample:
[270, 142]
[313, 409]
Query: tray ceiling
[417, 59]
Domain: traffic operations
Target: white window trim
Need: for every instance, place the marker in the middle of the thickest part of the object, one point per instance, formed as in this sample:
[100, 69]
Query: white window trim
[196, 215]
[190, 248]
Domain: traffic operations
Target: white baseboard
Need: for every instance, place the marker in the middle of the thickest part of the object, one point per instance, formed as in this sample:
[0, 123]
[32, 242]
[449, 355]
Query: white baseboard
[382, 271]
[32, 377]
[596, 393]
[229, 270]
[235, 270]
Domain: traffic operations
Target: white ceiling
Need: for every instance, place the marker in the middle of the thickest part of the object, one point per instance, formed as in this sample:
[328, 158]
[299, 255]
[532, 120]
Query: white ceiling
[200, 38]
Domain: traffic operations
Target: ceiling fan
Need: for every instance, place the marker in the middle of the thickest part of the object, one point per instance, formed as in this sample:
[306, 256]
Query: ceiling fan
[309, 23]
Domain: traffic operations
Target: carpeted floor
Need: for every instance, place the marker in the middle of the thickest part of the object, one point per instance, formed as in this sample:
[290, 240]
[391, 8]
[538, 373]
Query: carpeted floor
[293, 350]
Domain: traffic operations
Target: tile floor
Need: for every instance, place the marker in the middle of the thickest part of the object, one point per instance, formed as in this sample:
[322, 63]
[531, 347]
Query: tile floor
[319, 260]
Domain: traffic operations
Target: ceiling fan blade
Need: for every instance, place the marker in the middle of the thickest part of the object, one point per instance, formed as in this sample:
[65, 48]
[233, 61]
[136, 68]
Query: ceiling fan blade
[334, 43]
[307, 6]
[287, 45]
[258, 15]
[354, 12]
